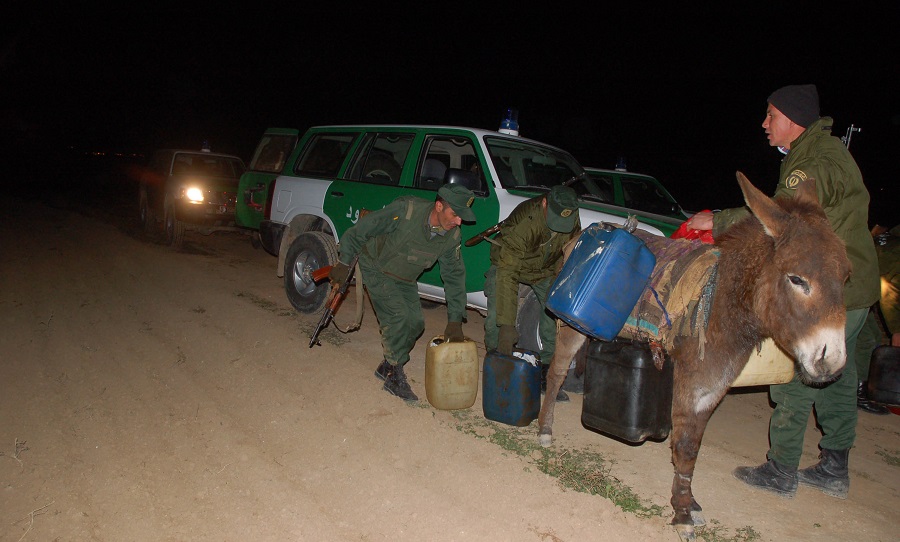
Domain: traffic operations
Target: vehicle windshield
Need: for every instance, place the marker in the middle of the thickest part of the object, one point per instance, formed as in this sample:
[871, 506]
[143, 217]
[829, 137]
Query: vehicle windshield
[645, 195]
[520, 164]
[272, 151]
[206, 165]
[638, 192]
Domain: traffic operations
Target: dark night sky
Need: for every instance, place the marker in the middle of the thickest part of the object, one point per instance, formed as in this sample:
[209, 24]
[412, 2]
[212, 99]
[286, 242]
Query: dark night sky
[681, 94]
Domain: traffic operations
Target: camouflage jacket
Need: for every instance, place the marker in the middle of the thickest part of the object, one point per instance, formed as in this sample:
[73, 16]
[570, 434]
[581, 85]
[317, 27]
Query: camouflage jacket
[526, 251]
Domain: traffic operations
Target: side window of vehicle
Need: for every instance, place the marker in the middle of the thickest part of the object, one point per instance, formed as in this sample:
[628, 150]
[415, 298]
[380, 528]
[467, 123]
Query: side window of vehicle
[604, 188]
[449, 160]
[272, 153]
[380, 158]
[324, 155]
[643, 195]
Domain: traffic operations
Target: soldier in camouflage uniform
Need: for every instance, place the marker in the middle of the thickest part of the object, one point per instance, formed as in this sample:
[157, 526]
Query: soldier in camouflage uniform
[888, 247]
[793, 124]
[396, 245]
[529, 250]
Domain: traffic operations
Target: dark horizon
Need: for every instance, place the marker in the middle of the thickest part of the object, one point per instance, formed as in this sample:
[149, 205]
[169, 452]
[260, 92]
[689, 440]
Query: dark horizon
[679, 96]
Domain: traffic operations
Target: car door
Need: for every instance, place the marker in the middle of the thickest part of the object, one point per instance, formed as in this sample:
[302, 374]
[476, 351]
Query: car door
[371, 174]
[268, 160]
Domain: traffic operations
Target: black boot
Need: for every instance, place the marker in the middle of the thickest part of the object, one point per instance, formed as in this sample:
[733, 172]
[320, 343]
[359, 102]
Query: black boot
[863, 403]
[383, 370]
[770, 476]
[561, 397]
[830, 475]
[395, 383]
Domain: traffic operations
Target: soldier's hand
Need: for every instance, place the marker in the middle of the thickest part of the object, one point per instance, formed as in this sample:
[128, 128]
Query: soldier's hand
[454, 331]
[701, 221]
[508, 338]
[338, 274]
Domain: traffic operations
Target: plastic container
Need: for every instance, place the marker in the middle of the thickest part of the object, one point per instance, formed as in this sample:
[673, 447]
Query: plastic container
[601, 281]
[883, 385]
[451, 373]
[771, 365]
[625, 395]
[511, 388]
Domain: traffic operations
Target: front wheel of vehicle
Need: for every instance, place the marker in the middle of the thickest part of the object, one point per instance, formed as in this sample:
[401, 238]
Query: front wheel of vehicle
[174, 227]
[309, 251]
[148, 222]
[255, 242]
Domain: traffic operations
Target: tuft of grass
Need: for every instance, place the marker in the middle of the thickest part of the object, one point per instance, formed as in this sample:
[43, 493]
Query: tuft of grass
[890, 457]
[579, 470]
[715, 532]
[583, 471]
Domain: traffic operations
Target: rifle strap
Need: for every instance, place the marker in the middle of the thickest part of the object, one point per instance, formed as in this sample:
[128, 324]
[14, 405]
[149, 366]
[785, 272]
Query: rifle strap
[357, 320]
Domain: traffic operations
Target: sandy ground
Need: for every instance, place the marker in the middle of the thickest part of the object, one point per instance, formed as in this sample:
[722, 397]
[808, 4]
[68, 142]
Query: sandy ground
[154, 394]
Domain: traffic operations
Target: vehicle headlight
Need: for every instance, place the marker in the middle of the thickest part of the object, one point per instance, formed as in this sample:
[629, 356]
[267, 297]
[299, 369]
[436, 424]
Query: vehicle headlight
[194, 194]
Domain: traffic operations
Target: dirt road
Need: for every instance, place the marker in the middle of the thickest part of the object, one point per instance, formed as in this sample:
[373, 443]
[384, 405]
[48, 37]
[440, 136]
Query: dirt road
[152, 394]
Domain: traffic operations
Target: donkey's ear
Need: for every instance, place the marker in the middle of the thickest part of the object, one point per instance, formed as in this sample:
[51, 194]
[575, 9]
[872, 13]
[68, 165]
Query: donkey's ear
[770, 215]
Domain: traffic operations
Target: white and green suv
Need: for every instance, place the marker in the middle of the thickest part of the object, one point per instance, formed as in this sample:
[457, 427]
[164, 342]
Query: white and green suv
[337, 171]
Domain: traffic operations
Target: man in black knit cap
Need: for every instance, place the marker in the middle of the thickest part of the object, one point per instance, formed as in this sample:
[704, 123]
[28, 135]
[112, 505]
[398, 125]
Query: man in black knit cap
[793, 125]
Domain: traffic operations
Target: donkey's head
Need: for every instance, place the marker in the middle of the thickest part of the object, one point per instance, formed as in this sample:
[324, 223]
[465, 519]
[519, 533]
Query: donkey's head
[799, 297]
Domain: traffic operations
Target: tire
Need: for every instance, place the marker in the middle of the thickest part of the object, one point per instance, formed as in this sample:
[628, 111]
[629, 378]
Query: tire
[174, 227]
[309, 251]
[148, 221]
[527, 319]
[254, 240]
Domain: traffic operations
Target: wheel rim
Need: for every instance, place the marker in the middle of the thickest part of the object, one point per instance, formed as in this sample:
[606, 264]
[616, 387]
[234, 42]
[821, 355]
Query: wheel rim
[301, 274]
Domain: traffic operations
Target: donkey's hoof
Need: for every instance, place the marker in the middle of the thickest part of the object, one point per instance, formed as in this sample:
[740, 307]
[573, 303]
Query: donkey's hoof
[545, 440]
[685, 532]
[697, 518]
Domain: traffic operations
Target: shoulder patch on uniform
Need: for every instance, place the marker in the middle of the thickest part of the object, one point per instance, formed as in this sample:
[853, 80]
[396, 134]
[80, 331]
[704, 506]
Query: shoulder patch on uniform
[795, 178]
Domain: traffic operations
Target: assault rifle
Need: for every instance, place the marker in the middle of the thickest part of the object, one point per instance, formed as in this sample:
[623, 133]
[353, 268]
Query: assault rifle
[849, 135]
[336, 297]
[475, 239]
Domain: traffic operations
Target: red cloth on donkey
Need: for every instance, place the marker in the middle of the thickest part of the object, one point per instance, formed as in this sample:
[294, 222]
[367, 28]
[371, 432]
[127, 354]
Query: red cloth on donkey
[684, 232]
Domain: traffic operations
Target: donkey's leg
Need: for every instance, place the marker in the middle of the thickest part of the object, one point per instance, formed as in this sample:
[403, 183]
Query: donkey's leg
[690, 415]
[568, 343]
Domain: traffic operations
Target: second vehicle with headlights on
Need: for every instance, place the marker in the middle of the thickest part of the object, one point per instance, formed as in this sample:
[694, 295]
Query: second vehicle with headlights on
[189, 189]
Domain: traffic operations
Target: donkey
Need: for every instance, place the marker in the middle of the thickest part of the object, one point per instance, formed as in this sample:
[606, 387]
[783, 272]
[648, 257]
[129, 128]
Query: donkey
[780, 274]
